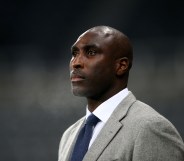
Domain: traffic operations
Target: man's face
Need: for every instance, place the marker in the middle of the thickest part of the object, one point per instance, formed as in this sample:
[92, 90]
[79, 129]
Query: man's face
[92, 66]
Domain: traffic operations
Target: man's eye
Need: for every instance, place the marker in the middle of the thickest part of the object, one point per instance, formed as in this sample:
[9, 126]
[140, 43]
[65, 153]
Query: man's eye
[91, 52]
[74, 53]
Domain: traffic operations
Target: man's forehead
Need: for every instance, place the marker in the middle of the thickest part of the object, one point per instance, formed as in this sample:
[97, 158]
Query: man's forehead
[96, 36]
[83, 42]
[91, 37]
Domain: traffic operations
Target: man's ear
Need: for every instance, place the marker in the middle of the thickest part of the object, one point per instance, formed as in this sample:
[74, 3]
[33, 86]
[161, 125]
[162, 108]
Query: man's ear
[122, 66]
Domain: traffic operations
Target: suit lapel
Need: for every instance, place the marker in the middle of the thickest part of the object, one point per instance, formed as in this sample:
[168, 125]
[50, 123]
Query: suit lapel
[73, 137]
[102, 140]
[110, 129]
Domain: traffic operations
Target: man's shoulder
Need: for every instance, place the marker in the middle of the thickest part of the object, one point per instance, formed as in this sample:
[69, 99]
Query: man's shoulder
[71, 132]
[74, 126]
[144, 112]
[134, 109]
[144, 116]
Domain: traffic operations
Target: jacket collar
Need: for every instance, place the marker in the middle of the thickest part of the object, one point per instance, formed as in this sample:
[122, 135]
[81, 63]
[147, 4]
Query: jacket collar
[110, 129]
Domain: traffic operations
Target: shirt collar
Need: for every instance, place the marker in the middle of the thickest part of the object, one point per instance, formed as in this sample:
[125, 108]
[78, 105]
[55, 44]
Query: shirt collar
[104, 110]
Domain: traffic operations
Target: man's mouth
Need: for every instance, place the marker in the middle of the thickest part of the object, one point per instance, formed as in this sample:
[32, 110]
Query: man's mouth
[76, 76]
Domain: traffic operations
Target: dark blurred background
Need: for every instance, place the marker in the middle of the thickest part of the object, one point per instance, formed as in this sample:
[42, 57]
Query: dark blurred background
[36, 104]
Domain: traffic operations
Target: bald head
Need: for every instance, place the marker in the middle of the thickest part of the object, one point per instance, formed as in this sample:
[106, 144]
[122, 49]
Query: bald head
[122, 46]
[100, 63]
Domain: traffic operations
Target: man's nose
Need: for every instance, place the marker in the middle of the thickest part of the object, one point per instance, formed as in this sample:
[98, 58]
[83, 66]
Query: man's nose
[77, 61]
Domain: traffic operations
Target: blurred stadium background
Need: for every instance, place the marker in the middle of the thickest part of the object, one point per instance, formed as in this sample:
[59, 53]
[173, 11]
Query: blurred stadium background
[36, 104]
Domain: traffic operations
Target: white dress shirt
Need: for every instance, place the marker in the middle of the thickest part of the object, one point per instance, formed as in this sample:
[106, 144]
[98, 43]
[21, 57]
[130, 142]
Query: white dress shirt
[104, 111]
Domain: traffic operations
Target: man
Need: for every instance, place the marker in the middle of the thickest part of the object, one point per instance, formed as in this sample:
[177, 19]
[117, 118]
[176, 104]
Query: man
[128, 130]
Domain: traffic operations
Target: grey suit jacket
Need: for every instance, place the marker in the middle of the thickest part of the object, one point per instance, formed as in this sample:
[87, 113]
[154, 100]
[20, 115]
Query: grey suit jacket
[134, 132]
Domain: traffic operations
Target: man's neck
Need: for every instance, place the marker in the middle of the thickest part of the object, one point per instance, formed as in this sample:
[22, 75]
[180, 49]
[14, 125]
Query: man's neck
[93, 103]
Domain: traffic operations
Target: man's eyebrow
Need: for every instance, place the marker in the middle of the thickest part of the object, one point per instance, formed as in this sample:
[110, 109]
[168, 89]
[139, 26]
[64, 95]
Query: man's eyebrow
[90, 46]
[85, 47]
[74, 48]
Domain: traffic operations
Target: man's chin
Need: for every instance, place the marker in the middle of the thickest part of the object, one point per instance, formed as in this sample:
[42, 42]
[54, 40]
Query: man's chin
[78, 93]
